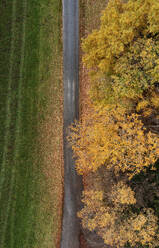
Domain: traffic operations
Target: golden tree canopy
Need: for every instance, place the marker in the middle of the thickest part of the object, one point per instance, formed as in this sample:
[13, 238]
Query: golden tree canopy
[113, 139]
[121, 24]
[114, 221]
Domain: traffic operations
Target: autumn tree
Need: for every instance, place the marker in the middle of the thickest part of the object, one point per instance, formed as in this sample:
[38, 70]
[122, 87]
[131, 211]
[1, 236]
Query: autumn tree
[123, 55]
[113, 139]
[121, 24]
[118, 133]
[112, 215]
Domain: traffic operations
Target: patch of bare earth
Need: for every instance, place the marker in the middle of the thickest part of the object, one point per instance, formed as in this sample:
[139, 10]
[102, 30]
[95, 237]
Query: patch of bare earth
[83, 242]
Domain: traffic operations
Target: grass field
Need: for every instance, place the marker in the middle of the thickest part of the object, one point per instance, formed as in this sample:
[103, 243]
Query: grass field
[30, 123]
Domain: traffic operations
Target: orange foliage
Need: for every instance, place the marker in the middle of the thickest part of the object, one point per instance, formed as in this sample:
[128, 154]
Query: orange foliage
[113, 139]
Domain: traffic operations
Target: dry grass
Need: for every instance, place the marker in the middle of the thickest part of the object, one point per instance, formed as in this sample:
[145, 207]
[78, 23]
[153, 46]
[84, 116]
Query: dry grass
[51, 136]
[51, 153]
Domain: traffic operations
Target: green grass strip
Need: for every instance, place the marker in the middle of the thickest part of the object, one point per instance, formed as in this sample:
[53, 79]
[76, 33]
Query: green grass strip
[18, 126]
[8, 101]
[8, 116]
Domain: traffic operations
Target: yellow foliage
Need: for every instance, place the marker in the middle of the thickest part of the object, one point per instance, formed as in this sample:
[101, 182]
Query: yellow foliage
[136, 70]
[153, 17]
[120, 24]
[147, 112]
[113, 139]
[141, 105]
[124, 50]
[149, 105]
[155, 100]
[122, 194]
[145, 227]
[114, 221]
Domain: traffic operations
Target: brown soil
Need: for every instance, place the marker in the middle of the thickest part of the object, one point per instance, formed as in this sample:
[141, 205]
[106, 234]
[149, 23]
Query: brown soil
[83, 243]
[85, 103]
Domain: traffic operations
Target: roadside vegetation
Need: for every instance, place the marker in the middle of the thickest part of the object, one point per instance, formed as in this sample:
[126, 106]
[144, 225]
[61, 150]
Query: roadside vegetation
[116, 143]
[30, 123]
